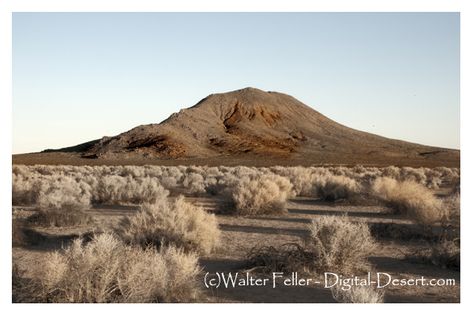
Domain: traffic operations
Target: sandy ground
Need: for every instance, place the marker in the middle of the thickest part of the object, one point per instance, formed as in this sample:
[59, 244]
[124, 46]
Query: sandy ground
[241, 234]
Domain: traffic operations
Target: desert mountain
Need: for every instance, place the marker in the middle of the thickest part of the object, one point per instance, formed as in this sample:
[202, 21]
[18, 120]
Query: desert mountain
[254, 124]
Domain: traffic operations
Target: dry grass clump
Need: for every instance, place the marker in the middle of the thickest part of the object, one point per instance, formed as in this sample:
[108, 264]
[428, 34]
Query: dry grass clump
[105, 270]
[172, 222]
[266, 194]
[333, 188]
[409, 198]
[341, 245]
[286, 258]
[357, 294]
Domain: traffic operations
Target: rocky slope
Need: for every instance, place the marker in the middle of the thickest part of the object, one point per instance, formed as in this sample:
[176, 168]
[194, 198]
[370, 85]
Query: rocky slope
[254, 124]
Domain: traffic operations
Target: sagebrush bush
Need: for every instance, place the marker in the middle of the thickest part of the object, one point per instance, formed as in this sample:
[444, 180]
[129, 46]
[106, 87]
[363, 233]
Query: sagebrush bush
[112, 189]
[51, 191]
[172, 222]
[443, 252]
[61, 201]
[335, 244]
[24, 289]
[64, 194]
[357, 294]
[301, 178]
[105, 270]
[413, 175]
[409, 198]
[194, 183]
[446, 254]
[24, 190]
[60, 218]
[333, 188]
[266, 194]
[341, 245]
[287, 258]
[18, 234]
[451, 206]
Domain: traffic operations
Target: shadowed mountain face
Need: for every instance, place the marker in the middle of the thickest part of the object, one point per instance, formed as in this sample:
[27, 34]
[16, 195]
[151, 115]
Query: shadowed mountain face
[257, 124]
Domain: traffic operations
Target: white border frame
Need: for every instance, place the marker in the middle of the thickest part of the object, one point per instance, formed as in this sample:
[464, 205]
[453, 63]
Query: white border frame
[9, 6]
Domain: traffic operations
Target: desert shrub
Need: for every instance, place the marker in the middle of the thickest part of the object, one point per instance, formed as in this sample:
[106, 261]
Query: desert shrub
[444, 253]
[223, 186]
[456, 186]
[211, 185]
[19, 237]
[24, 289]
[302, 183]
[142, 190]
[112, 189]
[172, 174]
[333, 188]
[266, 194]
[168, 182]
[286, 258]
[433, 182]
[24, 189]
[451, 207]
[335, 244]
[301, 178]
[357, 294]
[447, 174]
[194, 183]
[391, 172]
[409, 198]
[172, 222]
[63, 194]
[413, 175]
[340, 245]
[106, 270]
[61, 201]
[401, 232]
[22, 232]
[432, 178]
[132, 171]
[166, 276]
[20, 170]
[60, 218]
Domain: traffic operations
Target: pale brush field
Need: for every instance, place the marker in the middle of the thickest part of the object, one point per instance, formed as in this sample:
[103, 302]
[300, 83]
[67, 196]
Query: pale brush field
[151, 233]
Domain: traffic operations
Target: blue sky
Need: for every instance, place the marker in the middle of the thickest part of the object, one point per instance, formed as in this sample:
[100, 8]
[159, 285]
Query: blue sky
[81, 76]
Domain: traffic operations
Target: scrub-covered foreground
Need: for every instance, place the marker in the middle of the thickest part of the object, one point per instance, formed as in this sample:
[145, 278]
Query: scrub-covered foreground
[169, 224]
